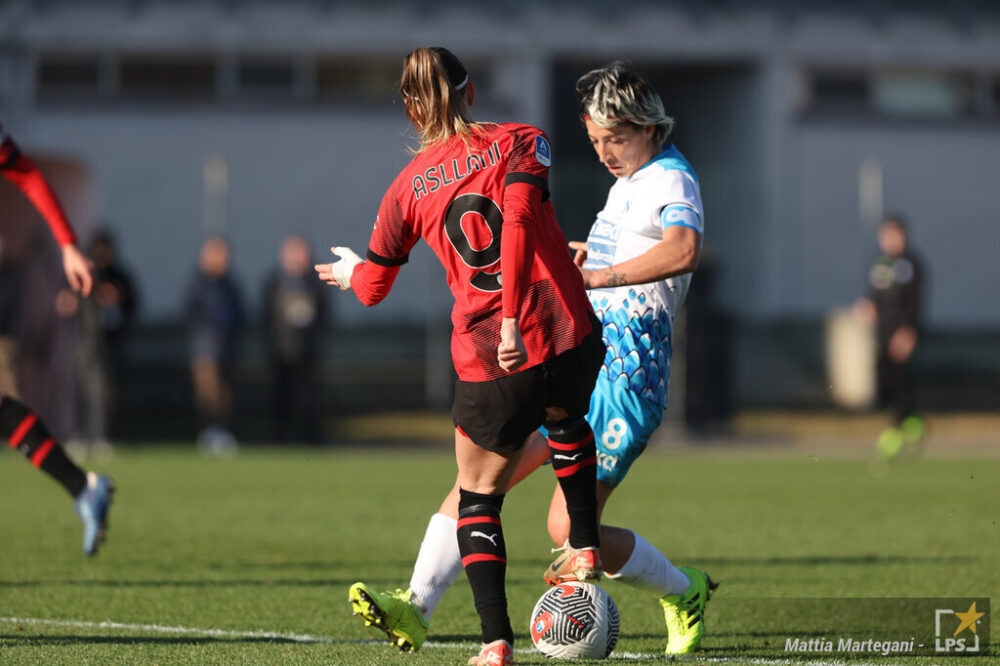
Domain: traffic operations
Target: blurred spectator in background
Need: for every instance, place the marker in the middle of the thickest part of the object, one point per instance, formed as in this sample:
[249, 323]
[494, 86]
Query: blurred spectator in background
[295, 314]
[10, 324]
[894, 306]
[102, 322]
[214, 313]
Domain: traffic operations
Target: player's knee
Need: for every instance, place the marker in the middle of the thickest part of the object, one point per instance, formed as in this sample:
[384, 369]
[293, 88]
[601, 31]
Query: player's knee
[570, 428]
[555, 414]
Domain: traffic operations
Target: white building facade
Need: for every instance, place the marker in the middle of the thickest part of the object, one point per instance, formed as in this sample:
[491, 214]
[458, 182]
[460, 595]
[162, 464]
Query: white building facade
[805, 121]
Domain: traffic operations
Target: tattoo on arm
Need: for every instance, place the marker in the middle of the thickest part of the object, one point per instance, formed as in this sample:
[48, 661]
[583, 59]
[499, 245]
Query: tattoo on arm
[615, 279]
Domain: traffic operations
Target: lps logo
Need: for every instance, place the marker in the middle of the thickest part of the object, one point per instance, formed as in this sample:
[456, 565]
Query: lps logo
[948, 640]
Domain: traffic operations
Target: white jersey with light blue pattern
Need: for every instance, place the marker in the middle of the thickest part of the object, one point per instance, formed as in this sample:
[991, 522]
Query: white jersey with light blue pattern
[638, 319]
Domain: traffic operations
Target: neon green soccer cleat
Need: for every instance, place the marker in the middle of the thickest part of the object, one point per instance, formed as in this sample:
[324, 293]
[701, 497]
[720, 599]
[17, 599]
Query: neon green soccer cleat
[913, 428]
[391, 612]
[685, 613]
[890, 442]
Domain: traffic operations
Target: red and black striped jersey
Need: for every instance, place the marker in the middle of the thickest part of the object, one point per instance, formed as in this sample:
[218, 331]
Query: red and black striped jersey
[483, 208]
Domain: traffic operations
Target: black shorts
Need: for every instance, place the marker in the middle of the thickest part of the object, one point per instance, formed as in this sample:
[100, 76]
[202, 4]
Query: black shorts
[498, 415]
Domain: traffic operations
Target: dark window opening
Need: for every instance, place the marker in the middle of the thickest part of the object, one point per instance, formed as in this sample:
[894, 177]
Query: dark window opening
[357, 81]
[840, 91]
[265, 78]
[67, 78]
[167, 79]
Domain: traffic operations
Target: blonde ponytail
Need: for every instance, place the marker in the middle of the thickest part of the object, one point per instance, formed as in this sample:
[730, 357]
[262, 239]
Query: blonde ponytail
[433, 88]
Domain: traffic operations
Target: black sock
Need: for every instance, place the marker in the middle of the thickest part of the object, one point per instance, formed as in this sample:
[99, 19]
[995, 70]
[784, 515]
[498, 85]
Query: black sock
[574, 460]
[484, 556]
[25, 432]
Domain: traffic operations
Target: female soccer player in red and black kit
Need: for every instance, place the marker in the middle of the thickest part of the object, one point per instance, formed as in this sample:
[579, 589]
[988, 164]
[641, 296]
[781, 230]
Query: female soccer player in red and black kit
[526, 344]
[19, 426]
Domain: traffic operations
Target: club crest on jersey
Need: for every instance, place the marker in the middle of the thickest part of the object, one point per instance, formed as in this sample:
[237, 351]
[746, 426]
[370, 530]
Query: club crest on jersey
[543, 152]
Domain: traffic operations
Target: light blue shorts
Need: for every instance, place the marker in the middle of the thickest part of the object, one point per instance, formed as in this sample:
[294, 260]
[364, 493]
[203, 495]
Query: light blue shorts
[623, 423]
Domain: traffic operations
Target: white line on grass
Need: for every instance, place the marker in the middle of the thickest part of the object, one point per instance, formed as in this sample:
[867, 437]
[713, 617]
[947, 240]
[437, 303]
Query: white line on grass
[306, 638]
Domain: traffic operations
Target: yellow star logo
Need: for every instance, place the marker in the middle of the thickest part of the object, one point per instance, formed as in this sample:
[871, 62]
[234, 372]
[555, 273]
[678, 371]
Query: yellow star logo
[968, 619]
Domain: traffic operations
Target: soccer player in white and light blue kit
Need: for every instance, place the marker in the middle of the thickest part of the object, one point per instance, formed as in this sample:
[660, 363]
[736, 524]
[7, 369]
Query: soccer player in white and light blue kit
[636, 264]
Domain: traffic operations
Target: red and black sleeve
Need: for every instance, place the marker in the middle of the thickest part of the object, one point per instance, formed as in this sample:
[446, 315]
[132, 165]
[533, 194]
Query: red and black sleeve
[19, 169]
[517, 244]
[525, 188]
[389, 248]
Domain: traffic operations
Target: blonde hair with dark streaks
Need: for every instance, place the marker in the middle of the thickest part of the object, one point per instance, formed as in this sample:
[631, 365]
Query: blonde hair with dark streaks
[433, 88]
[615, 94]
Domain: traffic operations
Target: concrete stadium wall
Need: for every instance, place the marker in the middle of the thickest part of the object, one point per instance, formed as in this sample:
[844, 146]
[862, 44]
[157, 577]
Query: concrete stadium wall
[320, 174]
[784, 230]
[942, 177]
[767, 176]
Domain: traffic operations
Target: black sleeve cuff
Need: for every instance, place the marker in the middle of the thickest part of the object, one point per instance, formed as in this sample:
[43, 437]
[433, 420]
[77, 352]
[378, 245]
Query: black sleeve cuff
[12, 157]
[386, 261]
[530, 179]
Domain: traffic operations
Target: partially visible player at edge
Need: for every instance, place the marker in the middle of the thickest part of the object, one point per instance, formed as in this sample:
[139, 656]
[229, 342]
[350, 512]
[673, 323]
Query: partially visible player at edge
[637, 264]
[526, 345]
[19, 426]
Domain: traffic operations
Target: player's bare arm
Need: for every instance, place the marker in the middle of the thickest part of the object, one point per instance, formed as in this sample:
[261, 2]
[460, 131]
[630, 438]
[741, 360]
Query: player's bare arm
[678, 252]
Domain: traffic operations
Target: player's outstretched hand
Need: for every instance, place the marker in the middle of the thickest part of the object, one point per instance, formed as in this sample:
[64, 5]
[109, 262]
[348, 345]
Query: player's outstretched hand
[511, 352]
[78, 269]
[580, 254]
[580, 258]
[339, 272]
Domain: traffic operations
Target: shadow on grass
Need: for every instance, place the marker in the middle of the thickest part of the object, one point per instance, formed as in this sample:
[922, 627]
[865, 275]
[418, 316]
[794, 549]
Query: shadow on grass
[714, 634]
[290, 565]
[462, 638]
[845, 560]
[13, 640]
[804, 560]
[778, 655]
[283, 582]
[769, 634]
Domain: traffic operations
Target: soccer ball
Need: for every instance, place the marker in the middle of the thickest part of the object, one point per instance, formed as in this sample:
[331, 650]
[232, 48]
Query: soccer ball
[575, 621]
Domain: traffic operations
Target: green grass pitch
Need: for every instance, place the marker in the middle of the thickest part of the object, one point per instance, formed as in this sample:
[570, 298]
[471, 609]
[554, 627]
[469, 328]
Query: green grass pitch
[248, 560]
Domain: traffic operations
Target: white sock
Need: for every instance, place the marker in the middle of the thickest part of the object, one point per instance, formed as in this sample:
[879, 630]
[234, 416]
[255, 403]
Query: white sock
[438, 564]
[647, 569]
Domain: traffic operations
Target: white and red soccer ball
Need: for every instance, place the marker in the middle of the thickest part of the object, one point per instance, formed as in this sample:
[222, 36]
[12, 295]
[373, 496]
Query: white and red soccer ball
[575, 621]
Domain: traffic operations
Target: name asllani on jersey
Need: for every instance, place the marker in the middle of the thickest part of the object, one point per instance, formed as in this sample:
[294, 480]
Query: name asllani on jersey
[449, 173]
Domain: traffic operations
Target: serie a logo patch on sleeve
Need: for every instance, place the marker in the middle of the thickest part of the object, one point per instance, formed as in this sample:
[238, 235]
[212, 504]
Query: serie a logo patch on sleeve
[543, 152]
